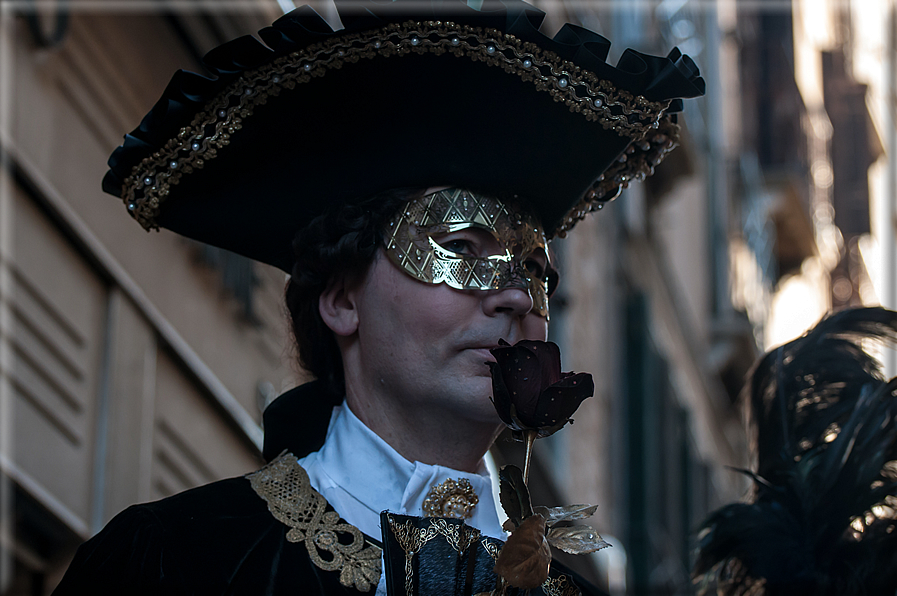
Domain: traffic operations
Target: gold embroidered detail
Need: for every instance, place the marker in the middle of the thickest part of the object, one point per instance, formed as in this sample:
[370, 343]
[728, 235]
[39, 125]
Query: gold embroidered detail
[492, 548]
[452, 498]
[285, 487]
[560, 586]
[150, 182]
[460, 537]
[412, 539]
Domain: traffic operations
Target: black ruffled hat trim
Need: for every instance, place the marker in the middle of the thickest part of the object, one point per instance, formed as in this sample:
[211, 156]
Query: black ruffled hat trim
[271, 116]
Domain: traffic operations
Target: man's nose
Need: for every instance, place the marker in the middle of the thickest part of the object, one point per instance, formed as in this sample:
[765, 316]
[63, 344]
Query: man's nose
[513, 299]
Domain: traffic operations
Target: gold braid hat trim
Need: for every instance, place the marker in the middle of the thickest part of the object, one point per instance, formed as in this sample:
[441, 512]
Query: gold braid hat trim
[635, 164]
[285, 487]
[150, 182]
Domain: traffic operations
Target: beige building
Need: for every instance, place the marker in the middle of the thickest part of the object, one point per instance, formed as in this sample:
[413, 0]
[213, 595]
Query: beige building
[132, 365]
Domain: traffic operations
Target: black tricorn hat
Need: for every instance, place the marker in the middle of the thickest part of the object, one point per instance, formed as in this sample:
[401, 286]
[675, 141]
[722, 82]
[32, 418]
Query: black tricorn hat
[408, 94]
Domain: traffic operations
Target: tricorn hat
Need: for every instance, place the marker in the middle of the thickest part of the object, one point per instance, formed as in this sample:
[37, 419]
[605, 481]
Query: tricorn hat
[408, 94]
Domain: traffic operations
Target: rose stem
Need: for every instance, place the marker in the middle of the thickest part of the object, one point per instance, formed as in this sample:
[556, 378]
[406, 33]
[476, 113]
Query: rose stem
[530, 439]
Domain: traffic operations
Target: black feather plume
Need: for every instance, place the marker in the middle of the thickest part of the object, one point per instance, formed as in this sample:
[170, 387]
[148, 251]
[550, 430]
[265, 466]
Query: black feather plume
[822, 516]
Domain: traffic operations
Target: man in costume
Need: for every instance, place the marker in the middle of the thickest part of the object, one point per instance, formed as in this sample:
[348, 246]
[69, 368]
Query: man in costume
[407, 171]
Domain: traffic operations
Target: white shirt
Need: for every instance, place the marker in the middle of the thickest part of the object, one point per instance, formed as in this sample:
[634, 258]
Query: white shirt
[360, 475]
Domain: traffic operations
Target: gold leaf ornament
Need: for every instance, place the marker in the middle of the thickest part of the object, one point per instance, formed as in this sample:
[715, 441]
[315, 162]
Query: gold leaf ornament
[576, 540]
[525, 558]
[555, 515]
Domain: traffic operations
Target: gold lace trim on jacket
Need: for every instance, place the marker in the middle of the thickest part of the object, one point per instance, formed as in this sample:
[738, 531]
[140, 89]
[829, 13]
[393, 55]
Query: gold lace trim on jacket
[332, 545]
[560, 586]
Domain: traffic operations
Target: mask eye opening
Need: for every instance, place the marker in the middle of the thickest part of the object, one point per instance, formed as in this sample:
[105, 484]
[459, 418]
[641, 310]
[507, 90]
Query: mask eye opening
[553, 278]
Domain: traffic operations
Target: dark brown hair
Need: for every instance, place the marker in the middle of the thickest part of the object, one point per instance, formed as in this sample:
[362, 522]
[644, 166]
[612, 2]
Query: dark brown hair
[342, 241]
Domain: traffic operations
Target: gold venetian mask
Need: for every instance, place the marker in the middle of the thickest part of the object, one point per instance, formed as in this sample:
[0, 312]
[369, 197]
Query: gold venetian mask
[470, 242]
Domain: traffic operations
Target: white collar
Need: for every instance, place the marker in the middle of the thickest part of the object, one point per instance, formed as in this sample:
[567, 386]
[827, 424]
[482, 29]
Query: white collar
[360, 475]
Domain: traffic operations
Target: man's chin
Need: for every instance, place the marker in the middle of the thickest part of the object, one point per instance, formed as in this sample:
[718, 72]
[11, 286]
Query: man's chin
[484, 412]
[474, 395]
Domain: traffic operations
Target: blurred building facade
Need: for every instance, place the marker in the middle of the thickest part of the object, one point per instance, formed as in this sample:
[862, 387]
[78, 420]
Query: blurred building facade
[742, 239]
[849, 60]
[133, 365]
[136, 365]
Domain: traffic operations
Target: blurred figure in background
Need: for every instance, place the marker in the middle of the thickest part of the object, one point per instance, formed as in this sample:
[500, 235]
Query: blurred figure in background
[822, 515]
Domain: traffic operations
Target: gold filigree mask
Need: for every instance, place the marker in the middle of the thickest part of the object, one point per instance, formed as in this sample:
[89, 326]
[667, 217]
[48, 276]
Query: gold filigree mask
[470, 242]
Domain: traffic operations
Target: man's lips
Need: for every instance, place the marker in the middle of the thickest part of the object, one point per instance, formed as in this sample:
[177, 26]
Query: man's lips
[484, 353]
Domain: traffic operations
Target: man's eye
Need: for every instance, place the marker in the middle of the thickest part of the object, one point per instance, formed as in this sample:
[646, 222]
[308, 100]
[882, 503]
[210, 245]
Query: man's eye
[458, 246]
[535, 268]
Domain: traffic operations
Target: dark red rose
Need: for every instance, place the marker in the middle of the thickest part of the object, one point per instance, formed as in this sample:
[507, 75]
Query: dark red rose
[529, 390]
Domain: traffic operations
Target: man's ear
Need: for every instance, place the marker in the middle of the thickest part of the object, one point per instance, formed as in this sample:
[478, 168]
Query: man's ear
[337, 305]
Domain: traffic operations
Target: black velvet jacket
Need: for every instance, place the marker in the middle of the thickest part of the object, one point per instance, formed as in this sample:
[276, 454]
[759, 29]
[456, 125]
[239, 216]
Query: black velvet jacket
[221, 538]
[215, 539]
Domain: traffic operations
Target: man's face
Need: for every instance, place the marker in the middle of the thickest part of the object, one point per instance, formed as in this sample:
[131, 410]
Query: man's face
[426, 344]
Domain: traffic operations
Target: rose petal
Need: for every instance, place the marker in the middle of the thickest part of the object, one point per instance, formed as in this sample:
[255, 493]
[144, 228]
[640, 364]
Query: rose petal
[561, 400]
[500, 394]
[549, 356]
[520, 371]
[581, 382]
[517, 424]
